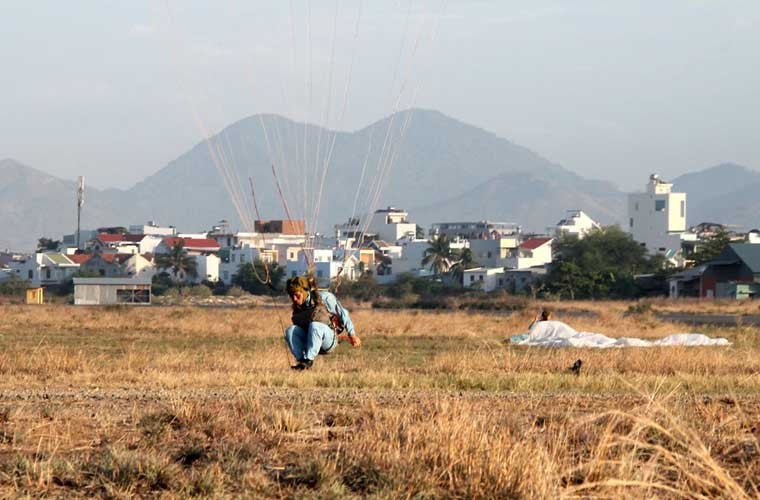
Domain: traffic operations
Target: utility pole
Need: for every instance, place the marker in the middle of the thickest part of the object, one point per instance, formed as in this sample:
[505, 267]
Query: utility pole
[80, 202]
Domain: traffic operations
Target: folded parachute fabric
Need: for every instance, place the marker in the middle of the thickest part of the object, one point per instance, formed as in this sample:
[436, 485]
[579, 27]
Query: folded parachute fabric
[559, 334]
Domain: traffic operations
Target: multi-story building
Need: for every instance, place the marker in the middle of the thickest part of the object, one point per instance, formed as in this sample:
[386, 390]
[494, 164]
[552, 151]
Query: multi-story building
[657, 217]
[482, 230]
[577, 223]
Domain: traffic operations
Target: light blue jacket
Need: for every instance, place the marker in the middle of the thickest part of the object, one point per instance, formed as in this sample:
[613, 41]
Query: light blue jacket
[334, 307]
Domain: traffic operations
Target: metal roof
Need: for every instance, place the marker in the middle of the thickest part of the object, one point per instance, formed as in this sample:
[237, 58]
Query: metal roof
[749, 253]
[112, 281]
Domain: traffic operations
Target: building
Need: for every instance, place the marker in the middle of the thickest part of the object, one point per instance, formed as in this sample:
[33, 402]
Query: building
[324, 266]
[481, 230]
[286, 227]
[494, 252]
[191, 246]
[657, 217]
[152, 228]
[107, 291]
[44, 269]
[389, 224]
[738, 264]
[532, 252]
[117, 265]
[576, 223]
[486, 279]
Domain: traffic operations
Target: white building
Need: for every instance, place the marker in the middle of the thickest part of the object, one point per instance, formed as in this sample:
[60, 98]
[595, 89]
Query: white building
[207, 268]
[487, 279]
[577, 223]
[152, 228]
[481, 230]
[389, 224]
[325, 266]
[657, 217]
[243, 255]
[532, 252]
[493, 252]
[44, 269]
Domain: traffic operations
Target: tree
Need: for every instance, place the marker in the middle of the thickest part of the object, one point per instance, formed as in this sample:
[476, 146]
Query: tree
[712, 247]
[465, 261]
[419, 232]
[178, 261]
[250, 276]
[438, 255]
[48, 244]
[601, 265]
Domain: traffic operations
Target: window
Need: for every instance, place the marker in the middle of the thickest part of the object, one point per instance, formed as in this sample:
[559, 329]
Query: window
[630, 223]
[659, 205]
[47, 273]
[480, 277]
[319, 274]
[133, 296]
[226, 275]
[501, 282]
[472, 278]
[31, 274]
[636, 206]
[683, 208]
[489, 255]
[292, 274]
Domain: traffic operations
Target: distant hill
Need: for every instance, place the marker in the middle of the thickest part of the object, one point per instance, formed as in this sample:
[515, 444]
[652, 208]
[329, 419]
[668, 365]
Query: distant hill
[442, 170]
[726, 193]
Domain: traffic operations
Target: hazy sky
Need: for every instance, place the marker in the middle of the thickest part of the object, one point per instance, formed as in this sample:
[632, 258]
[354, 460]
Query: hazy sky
[615, 90]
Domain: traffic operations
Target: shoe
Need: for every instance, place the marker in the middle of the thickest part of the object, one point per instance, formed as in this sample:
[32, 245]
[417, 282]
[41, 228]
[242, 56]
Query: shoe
[302, 365]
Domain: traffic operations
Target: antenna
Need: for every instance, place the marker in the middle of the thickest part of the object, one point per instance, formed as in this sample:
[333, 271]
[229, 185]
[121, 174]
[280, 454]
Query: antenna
[80, 202]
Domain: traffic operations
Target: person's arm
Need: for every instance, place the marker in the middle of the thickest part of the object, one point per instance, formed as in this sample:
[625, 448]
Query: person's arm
[335, 307]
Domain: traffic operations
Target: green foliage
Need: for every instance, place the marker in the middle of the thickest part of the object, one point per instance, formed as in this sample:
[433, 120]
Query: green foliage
[601, 265]
[13, 286]
[711, 248]
[250, 276]
[47, 244]
[161, 283]
[438, 255]
[365, 288]
[178, 261]
[419, 232]
[464, 261]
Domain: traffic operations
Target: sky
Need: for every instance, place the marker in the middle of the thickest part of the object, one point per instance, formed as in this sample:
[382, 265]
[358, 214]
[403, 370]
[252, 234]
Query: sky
[115, 90]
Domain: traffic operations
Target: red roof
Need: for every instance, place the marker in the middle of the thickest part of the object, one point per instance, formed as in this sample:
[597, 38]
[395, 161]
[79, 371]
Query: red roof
[194, 243]
[79, 258]
[134, 238]
[110, 238]
[116, 257]
[533, 243]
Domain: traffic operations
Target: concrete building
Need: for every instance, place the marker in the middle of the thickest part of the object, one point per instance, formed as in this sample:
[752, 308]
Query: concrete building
[153, 228]
[44, 269]
[106, 291]
[208, 268]
[389, 224]
[576, 223]
[533, 252]
[486, 279]
[657, 217]
[494, 252]
[325, 267]
[481, 230]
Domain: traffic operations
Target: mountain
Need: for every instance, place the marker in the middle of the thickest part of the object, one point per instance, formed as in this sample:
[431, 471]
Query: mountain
[435, 166]
[428, 157]
[726, 193]
[34, 204]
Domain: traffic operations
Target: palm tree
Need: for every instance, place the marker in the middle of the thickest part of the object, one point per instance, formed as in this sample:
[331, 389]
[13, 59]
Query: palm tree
[438, 255]
[464, 262]
[178, 261]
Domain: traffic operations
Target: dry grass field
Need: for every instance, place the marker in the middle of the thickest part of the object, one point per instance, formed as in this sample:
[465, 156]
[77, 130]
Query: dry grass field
[195, 401]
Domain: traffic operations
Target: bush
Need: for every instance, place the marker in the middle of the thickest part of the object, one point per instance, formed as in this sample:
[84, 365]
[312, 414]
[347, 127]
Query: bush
[235, 291]
[13, 286]
[198, 291]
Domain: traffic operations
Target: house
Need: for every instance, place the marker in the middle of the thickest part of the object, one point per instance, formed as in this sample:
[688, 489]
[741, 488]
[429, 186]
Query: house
[104, 242]
[486, 279]
[657, 217]
[388, 224]
[482, 230]
[324, 266]
[295, 227]
[532, 252]
[208, 267]
[493, 252]
[519, 281]
[118, 265]
[734, 273]
[191, 246]
[44, 269]
[237, 256]
[153, 229]
[576, 223]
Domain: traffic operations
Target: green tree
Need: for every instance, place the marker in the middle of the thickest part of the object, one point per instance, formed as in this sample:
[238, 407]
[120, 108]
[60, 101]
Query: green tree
[47, 244]
[438, 255]
[250, 276]
[178, 261]
[601, 265]
[464, 261]
[712, 247]
[419, 232]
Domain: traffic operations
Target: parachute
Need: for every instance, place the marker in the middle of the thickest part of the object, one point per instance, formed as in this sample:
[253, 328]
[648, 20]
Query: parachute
[288, 163]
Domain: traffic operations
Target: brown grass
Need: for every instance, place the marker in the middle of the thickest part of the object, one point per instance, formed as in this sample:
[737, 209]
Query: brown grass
[189, 401]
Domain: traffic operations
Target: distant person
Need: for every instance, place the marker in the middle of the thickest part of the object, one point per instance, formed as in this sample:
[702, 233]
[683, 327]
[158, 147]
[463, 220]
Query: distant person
[318, 320]
[546, 315]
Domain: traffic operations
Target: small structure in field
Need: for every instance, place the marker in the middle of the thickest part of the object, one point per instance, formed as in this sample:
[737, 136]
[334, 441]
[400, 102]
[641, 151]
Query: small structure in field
[105, 291]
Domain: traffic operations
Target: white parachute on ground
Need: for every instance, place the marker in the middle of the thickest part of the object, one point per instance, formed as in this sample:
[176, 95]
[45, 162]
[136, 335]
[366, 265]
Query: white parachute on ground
[559, 334]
